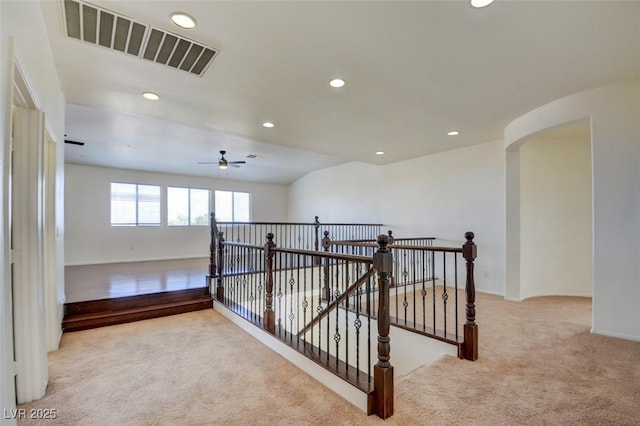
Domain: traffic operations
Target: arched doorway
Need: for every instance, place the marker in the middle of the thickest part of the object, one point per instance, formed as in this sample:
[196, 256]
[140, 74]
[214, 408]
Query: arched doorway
[555, 212]
[612, 114]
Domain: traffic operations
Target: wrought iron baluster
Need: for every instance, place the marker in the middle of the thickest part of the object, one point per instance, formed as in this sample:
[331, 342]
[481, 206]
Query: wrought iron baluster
[445, 296]
[329, 288]
[280, 294]
[292, 282]
[337, 337]
[455, 267]
[321, 282]
[405, 282]
[369, 316]
[305, 303]
[219, 286]
[413, 280]
[346, 317]
[424, 292]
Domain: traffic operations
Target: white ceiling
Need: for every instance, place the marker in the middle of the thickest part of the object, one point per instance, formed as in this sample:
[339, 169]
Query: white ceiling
[414, 71]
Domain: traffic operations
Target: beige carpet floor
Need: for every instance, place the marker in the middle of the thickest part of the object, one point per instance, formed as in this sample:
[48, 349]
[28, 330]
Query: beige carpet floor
[538, 365]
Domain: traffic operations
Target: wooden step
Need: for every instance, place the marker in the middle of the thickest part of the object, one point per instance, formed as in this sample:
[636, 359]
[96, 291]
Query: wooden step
[129, 302]
[104, 312]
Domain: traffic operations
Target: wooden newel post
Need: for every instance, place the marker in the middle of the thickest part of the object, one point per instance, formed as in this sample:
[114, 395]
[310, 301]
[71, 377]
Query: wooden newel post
[392, 279]
[470, 345]
[326, 241]
[269, 314]
[383, 371]
[213, 246]
[219, 287]
[325, 293]
[316, 225]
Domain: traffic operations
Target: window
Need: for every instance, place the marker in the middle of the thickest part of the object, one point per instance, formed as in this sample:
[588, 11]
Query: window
[233, 206]
[135, 205]
[187, 207]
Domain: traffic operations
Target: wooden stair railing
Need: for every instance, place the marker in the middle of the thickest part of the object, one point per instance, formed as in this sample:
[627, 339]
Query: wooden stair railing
[418, 282]
[275, 286]
[275, 320]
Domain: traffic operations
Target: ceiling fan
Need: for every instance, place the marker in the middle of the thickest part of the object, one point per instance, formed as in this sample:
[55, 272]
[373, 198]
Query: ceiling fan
[223, 163]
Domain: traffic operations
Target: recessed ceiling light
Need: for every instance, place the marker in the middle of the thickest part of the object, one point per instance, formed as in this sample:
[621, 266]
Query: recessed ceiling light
[453, 133]
[183, 20]
[337, 83]
[268, 124]
[481, 3]
[150, 96]
[379, 152]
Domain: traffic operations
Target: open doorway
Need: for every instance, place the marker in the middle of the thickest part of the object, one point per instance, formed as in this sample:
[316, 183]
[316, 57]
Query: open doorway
[556, 213]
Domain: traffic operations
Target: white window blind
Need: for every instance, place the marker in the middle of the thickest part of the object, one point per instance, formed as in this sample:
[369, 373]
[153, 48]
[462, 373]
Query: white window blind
[187, 206]
[135, 205]
[233, 206]
[199, 207]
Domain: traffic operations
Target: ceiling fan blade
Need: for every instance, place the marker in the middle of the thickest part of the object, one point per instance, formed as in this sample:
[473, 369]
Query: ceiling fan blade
[236, 162]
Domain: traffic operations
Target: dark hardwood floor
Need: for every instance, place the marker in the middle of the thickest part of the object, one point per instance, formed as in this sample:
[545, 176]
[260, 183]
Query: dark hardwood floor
[116, 293]
[112, 280]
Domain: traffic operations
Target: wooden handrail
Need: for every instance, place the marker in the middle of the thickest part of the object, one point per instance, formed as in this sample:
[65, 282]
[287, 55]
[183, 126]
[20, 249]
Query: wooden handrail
[401, 246]
[326, 254]
[395, 239]
[299, 223]
[243, 245]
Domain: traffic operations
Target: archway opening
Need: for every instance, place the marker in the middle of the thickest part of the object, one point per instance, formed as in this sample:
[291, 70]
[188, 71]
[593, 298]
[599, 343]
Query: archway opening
[556, 213]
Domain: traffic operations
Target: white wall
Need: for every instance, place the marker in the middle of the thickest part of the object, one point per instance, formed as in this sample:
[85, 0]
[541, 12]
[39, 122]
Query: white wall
[555, 217]
[442, 195]
[23, 37]
[91, 239]
[615, 149]
[336, 194]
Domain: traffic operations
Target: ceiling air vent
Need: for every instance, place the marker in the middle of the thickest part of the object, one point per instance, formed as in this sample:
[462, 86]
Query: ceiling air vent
[101, 27]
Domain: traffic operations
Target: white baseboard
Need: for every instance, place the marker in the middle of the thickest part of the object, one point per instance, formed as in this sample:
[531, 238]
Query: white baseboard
[616, 335]
[491, 292]
[557, 294]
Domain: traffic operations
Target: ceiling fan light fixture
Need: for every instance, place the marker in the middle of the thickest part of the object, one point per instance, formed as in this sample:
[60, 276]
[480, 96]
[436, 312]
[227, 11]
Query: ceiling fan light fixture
[183, 20]
[268, 125]
[453, 133]
[223, 164]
